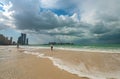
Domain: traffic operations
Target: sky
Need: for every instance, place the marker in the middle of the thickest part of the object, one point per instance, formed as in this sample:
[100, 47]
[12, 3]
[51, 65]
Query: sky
[77, 21]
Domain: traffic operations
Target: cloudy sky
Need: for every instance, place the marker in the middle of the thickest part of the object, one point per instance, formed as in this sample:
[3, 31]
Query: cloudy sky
[78, 21]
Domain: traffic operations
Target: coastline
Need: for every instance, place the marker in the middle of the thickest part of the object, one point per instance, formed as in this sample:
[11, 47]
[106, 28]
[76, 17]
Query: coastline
[74, 64]
[100, 49]
[94, 65]
[24, 66]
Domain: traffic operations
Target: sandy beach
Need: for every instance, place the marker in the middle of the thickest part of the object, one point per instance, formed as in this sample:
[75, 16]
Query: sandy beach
[59, 39]
[42, 63]
[93, 65]
[14, 64]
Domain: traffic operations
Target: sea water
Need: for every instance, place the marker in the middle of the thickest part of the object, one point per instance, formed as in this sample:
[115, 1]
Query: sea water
[108, 48]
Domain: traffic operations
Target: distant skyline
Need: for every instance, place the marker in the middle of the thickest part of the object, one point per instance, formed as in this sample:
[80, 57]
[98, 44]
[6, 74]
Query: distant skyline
[77, 21]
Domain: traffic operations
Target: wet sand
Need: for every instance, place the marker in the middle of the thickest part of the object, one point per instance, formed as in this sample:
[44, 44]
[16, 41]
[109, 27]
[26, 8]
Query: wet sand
[104, 62]
[14, 64]
[94, 65]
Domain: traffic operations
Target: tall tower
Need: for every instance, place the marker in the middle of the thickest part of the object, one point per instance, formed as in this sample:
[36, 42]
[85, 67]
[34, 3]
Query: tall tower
[27, 41]
[11, 40]
[24, 39]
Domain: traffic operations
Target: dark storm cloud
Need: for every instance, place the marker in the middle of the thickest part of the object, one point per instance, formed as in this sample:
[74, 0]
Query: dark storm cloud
[44, 20]
[100, 28]
[88, 21]
[28, 15]
[111, 37]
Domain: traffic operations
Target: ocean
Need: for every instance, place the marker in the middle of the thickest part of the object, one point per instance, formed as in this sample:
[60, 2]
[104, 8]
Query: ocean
[108, 48]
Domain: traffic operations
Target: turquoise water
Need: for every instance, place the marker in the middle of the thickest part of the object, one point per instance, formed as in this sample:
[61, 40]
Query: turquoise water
[100, 47]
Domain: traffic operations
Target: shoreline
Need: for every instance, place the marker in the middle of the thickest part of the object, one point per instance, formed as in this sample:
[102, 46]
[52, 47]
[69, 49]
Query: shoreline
[86, 63]
[83, 49]
[89, 61]
[24, 66]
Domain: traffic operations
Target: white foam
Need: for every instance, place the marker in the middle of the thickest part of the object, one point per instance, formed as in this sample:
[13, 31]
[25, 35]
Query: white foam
[86, 49]
[34, 47]
[33, 53]
[80, 69]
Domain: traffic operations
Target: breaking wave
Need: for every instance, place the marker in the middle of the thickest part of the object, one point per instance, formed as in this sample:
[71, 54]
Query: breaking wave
[80, 69]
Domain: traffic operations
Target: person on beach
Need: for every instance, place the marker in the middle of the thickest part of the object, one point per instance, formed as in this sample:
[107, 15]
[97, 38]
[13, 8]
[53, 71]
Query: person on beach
[51, 47]
[17, 45]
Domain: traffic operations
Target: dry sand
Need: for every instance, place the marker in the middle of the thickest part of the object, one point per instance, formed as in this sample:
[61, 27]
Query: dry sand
[17, 65]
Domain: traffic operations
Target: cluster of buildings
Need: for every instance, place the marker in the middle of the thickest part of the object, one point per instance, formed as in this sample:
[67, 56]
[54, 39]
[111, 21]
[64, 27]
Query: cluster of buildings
[22, 40]
[60, 43]
[5, 41]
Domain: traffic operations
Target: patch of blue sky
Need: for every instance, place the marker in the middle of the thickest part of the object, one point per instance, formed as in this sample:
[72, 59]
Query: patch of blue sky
[1, 4]
[57, 11]
[10, 33]
[64, 11]
[1, 7]
[60, 12]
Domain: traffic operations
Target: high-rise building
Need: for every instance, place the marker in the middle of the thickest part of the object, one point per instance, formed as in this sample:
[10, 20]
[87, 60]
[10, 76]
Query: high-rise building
[19, 40]
[27, 41]
[11, 40]
[4, 40]
[22, 39]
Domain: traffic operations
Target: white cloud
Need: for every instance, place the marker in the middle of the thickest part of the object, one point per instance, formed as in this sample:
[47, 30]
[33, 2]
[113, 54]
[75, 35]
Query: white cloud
[7, 20]
[48, 3]
[89, 18]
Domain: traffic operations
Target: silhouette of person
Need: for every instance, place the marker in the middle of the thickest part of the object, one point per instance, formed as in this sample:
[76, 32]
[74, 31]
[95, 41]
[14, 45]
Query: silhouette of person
[51, 47]
[17, 45]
